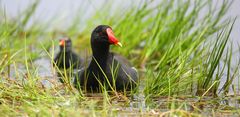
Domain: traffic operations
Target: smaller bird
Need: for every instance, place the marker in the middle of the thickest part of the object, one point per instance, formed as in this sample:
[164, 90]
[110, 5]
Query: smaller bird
[66, 59]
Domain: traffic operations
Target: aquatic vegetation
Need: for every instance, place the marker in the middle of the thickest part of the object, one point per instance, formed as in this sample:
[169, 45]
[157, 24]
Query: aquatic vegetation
[181, 48]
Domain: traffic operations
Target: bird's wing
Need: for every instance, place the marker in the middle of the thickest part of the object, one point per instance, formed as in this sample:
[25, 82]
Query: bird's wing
[77, 74]
[121, 59]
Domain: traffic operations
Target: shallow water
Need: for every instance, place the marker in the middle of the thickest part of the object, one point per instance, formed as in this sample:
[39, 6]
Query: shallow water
[225, 106]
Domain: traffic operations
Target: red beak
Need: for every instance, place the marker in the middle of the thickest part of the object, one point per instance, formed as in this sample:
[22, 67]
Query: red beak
[62, 42]
[112, 39]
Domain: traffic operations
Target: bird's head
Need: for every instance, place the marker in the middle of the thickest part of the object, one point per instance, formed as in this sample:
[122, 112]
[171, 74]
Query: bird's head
[65, 43]
[103, 34]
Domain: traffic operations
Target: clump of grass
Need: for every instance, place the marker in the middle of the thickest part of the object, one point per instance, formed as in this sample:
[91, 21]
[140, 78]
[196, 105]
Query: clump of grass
[181, 63]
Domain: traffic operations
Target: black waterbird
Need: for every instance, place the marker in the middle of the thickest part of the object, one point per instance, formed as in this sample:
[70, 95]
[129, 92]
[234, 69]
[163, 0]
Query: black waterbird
[106, 68]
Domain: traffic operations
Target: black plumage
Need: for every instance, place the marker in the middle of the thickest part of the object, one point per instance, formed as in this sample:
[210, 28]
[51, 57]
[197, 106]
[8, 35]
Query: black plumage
[106, 68]
[66, 58]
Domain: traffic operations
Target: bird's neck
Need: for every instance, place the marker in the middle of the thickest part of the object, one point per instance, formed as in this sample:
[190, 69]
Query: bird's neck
[66, 50]
[101, 54]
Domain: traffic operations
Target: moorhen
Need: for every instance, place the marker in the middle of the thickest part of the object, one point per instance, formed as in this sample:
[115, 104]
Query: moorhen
[66, 59]
[106, 68]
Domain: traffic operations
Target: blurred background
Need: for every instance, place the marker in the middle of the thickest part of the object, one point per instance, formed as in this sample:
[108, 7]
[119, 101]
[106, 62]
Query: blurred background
[64, 11]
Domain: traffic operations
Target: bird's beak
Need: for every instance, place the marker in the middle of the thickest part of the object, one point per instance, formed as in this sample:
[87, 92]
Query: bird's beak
[61, 42]
[111, 38]
[118, 44]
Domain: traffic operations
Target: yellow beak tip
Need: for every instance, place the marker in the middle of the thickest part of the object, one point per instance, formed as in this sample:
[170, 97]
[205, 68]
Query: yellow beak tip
[119, 44]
